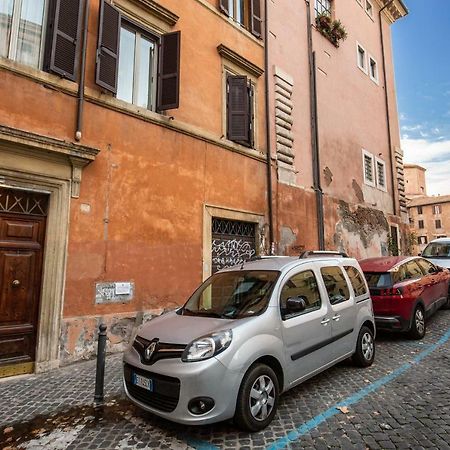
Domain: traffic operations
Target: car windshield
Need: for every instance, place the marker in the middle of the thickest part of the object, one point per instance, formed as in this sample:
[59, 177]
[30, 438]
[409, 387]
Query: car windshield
[232, 295]
[437, 250]
[378, 279]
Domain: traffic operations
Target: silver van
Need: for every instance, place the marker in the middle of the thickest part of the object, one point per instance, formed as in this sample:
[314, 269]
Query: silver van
[248, 334]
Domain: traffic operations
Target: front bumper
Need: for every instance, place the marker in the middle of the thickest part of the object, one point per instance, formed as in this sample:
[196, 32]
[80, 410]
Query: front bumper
[208, 378]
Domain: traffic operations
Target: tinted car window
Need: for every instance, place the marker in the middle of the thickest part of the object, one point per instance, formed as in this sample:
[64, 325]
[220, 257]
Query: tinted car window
[426, 266]
[357, 280]
[378, 279]
[303, 284]
[337, 287]
[412, 270]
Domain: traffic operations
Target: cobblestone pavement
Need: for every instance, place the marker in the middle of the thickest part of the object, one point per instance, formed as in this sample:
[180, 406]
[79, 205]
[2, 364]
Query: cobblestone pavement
[402, 401]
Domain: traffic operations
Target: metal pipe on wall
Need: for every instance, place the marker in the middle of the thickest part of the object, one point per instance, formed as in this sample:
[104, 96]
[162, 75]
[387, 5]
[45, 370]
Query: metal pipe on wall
[80, 105]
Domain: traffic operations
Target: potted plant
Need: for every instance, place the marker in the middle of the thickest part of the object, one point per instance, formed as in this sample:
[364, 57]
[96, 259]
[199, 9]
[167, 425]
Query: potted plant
[333, 30]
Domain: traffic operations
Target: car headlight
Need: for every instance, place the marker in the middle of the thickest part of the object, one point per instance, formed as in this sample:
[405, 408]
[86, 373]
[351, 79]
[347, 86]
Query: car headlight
[207, 346]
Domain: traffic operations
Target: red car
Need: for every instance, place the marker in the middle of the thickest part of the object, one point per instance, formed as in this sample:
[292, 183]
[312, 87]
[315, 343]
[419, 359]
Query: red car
[405, 291]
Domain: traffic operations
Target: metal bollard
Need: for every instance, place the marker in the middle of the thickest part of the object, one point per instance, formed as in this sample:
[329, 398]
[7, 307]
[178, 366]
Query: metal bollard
[100, 373]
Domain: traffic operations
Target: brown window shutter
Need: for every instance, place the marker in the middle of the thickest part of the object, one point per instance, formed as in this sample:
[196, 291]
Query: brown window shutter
[238, 109]
[255, 17]
[224, 6]
[108, 47]
[63, 38]
[169, 71]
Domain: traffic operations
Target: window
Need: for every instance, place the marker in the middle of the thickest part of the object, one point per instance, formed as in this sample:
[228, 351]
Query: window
[132, 62]
[240, 107]
[369, 8]
[42, 34]
[421, 224]
[246, 13]
[438, 224]
[357, 280]
[303, 284]
[412, 270]
[423, 240]
[137, 67]
[361, 58]
[419, 210]
[381, 174]
[426, 266]
[369, 176]
[22, 31]
[373, 69]
[322, 7]
[437, 209]
[337, 287]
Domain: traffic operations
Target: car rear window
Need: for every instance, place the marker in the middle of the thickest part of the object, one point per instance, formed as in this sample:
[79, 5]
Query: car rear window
[378, 279]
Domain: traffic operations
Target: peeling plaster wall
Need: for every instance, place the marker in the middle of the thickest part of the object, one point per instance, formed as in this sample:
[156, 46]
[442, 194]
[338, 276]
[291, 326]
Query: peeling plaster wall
[79, 334]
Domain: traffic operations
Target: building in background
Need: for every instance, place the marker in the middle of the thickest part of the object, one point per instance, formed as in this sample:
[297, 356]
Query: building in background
[335, 134]
[415, 181]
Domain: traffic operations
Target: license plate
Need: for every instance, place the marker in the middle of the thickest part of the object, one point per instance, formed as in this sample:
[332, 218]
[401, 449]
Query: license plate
[142, 382]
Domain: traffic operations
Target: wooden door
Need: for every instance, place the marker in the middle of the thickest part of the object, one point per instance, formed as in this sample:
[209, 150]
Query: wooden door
[22, 233]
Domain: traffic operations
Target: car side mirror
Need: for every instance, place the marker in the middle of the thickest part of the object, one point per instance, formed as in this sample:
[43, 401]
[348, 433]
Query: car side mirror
[296, 304]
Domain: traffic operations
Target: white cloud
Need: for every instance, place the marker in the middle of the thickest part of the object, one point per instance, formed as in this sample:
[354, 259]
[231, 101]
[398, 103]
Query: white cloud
[435, 157]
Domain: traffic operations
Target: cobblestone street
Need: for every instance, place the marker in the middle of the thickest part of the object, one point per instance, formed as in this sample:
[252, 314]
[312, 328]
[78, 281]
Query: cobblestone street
[402, 401]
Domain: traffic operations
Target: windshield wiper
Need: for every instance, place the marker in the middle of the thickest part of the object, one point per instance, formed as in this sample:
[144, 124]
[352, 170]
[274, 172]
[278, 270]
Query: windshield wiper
[204, 313]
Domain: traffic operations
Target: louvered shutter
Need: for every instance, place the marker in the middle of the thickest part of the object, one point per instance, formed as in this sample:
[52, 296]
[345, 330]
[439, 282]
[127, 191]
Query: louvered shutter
[108, 47]
[169, 71]
[238, 109]
[224, 6]
[63, 38]
[255, 17]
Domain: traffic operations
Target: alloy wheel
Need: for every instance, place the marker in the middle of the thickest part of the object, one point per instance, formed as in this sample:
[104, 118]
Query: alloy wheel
[262, 397]
[367, 346]
[420, 321]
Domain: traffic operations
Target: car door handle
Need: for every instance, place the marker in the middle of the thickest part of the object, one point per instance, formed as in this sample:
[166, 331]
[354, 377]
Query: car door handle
[336, 317]
[325, 322]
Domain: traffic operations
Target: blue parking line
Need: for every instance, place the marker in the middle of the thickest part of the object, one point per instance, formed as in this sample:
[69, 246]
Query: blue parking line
[355, 398]
[200, 445]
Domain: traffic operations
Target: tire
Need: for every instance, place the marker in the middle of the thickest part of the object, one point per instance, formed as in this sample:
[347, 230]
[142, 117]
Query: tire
[418, 325]
[257, 399]
[447, 305]
[365, 348]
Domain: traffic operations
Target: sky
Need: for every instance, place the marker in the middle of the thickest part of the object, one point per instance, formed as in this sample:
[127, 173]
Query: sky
[421, 44]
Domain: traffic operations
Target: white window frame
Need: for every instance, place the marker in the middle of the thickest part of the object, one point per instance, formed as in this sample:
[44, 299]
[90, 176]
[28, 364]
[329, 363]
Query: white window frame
[365, 154]
[370, 14]
[364, 68]
[375, 78]
[378, 162]
[360, 2]
[437, 210]
[423, 240]
[13, 38]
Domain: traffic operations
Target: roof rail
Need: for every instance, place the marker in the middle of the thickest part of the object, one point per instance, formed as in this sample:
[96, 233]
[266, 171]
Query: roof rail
[309, 253]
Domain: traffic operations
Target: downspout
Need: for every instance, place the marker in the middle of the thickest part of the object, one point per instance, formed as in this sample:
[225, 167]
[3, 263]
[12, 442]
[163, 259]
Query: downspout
[386, 97]
[268, 135]
[80, 106]
[315, 150]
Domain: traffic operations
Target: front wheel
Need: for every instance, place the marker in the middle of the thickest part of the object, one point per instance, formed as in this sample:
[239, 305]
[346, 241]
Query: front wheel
[365, 348]
[258, 398]
[418, 326]
[447, 305]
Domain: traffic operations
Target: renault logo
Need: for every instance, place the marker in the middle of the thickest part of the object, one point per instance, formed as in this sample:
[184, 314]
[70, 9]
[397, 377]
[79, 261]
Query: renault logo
[149, 350]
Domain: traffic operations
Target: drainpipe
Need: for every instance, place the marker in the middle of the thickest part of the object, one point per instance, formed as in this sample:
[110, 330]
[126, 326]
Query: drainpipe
[80, 106]
[268, 135]
[315, 149]
[386, 98]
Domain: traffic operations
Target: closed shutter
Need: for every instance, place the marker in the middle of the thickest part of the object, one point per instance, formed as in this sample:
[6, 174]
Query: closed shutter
[108, 47]
[63, 38]
[224, 6]
[255, 17]
[238, 109]
[169, 71]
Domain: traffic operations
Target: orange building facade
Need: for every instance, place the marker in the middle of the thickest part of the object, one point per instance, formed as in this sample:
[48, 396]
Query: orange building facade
[133, 157]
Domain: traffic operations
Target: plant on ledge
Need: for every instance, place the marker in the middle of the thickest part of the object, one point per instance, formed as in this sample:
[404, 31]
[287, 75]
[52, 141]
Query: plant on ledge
[333, 30]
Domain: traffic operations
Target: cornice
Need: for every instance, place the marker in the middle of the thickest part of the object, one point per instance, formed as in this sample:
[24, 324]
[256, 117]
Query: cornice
[239, 61]
[395, 10]
[158, 11]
